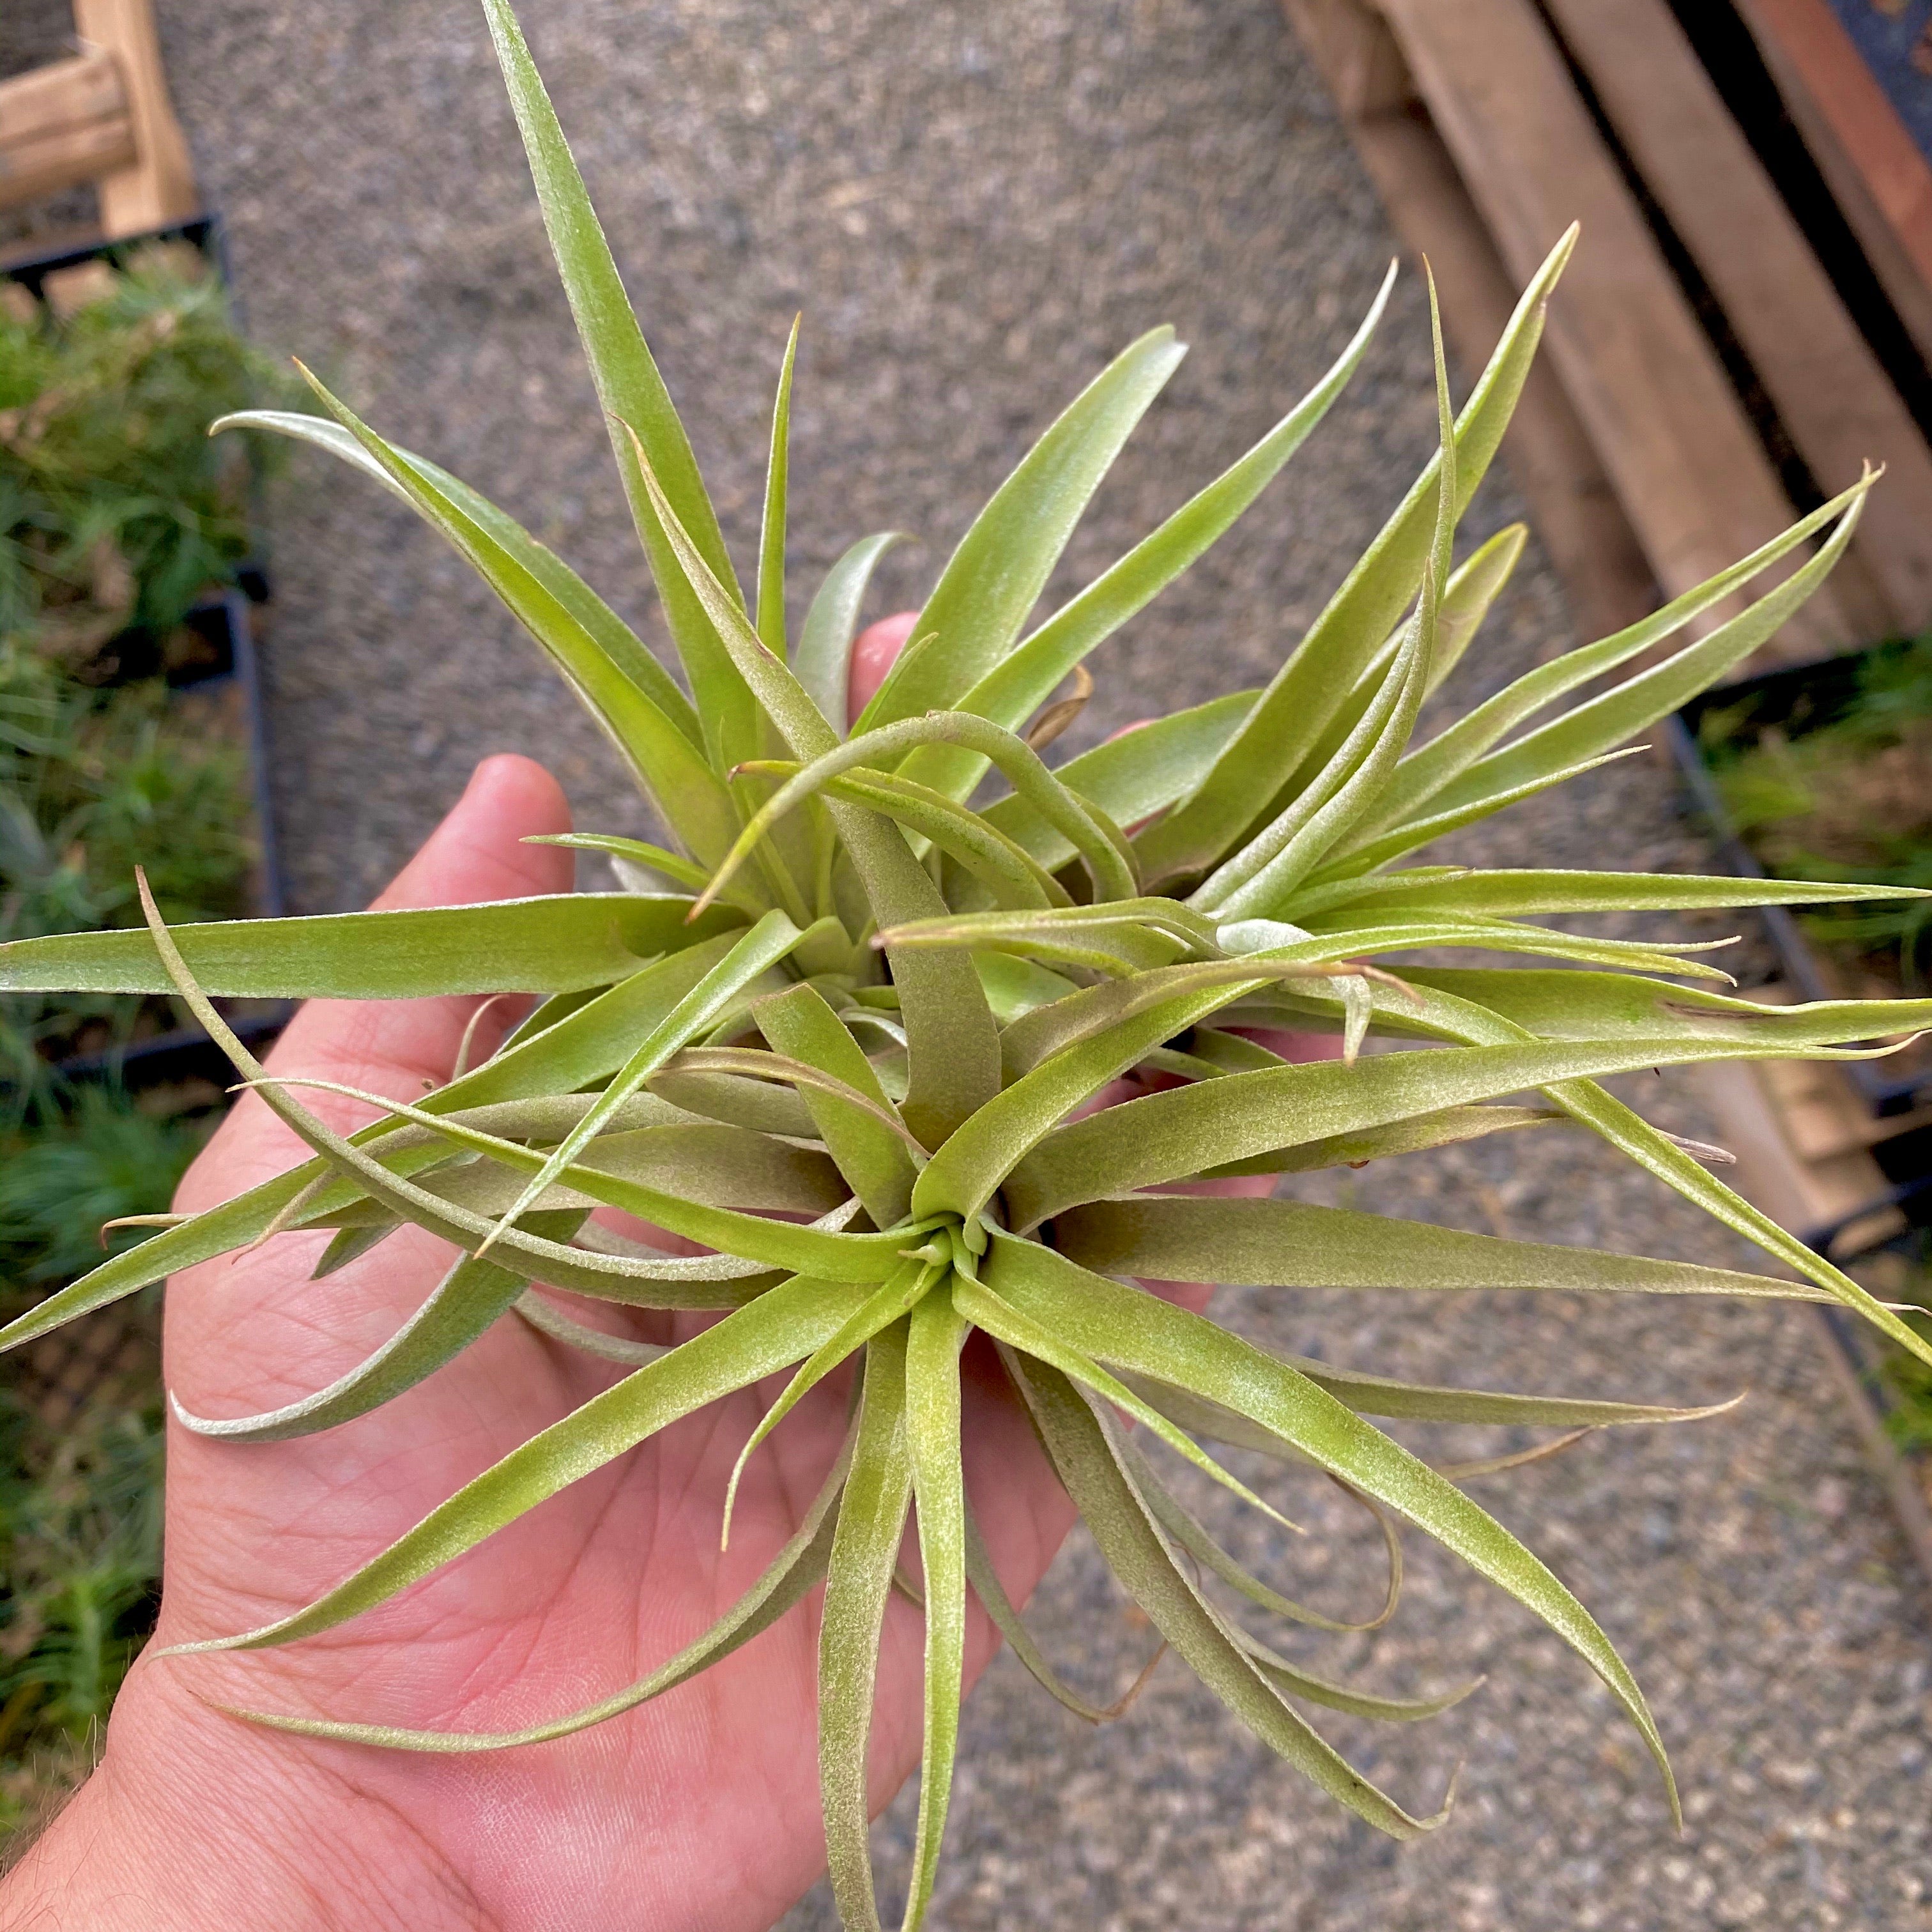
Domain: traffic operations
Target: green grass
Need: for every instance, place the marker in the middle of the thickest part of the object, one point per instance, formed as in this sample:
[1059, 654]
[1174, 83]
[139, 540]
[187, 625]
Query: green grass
[80, 1548]
[92, 784]
[1850, 801]
[115, 507]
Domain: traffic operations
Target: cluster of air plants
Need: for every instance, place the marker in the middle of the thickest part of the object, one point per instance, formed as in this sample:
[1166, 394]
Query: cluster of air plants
[116, 514]
[870, 1003]
[1848, 800]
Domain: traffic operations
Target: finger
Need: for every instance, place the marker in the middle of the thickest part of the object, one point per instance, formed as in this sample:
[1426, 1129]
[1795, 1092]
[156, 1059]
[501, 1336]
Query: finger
[399, 1047]
[874, 651]
[1293, 1045]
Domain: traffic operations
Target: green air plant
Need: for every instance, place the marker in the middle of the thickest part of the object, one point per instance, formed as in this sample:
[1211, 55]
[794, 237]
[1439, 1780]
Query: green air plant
[861, 998]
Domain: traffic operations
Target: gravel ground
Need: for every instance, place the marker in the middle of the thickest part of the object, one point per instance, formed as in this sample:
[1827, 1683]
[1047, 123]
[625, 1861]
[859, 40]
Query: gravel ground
[976, 204]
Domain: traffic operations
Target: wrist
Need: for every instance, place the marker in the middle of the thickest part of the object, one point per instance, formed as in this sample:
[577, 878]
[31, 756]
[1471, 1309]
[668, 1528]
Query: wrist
[194, 1819]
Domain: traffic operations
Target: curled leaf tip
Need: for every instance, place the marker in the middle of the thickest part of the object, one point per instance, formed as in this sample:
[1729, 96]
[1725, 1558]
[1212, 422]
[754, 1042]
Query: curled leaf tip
[141, 1221]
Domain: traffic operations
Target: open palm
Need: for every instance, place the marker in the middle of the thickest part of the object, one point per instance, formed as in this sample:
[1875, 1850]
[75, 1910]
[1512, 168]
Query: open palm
[699, 1809]
[593, 1589]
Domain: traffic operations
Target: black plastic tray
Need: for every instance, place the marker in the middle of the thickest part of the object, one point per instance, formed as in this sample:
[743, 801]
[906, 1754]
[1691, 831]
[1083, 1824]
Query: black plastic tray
[187, 1053]
[224, 623]
[33, 261]
[1799, 698]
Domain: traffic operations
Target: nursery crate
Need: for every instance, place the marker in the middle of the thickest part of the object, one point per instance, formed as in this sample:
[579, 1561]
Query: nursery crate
[182, 1070]
[222, 692]
[114, 1350]
[33, 263]
[1705, 377]
[216, 680]
[1797, 698]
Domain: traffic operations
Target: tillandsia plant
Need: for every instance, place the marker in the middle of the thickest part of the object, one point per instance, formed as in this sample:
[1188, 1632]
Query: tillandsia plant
[848, 1041]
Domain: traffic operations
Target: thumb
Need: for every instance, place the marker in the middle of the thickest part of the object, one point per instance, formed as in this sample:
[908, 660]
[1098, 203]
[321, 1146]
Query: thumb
[874, 651]
[395, 1046]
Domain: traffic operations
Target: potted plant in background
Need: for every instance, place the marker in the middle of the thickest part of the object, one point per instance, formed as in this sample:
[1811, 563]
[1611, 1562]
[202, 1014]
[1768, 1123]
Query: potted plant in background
[843, 992]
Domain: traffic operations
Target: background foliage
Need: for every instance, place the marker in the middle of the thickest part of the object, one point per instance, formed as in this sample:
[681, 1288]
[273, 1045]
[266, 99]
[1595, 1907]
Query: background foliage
[117, 513]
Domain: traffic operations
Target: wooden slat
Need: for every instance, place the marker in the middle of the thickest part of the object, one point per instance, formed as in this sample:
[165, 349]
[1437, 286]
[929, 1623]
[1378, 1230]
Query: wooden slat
[157, 188]
[1828, 388]
[1359, 63]
[1799, 1194]
[1570, 500]
[1571, 505]
[61, 125]
[1644, 380]
[1866, 153]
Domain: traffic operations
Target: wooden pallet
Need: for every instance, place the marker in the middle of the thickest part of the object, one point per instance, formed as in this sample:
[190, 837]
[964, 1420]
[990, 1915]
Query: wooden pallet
[103, 117]
[1489, 126]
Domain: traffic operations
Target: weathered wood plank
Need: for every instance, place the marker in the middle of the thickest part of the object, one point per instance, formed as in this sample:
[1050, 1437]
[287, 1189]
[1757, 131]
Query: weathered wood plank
[1642, 377]
[157, 188]
[1828, 388]
[1869, 159]
[61, 125]
[1571, 505]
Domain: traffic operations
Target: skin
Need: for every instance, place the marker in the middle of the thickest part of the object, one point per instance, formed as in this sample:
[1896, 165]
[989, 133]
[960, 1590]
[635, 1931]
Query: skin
[699, 1811]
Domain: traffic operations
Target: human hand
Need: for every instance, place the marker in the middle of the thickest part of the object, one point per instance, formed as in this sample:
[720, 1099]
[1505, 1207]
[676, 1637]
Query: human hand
[698, 1810]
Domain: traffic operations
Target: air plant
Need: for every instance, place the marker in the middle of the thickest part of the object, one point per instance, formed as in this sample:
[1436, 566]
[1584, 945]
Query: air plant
[860, 1000]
